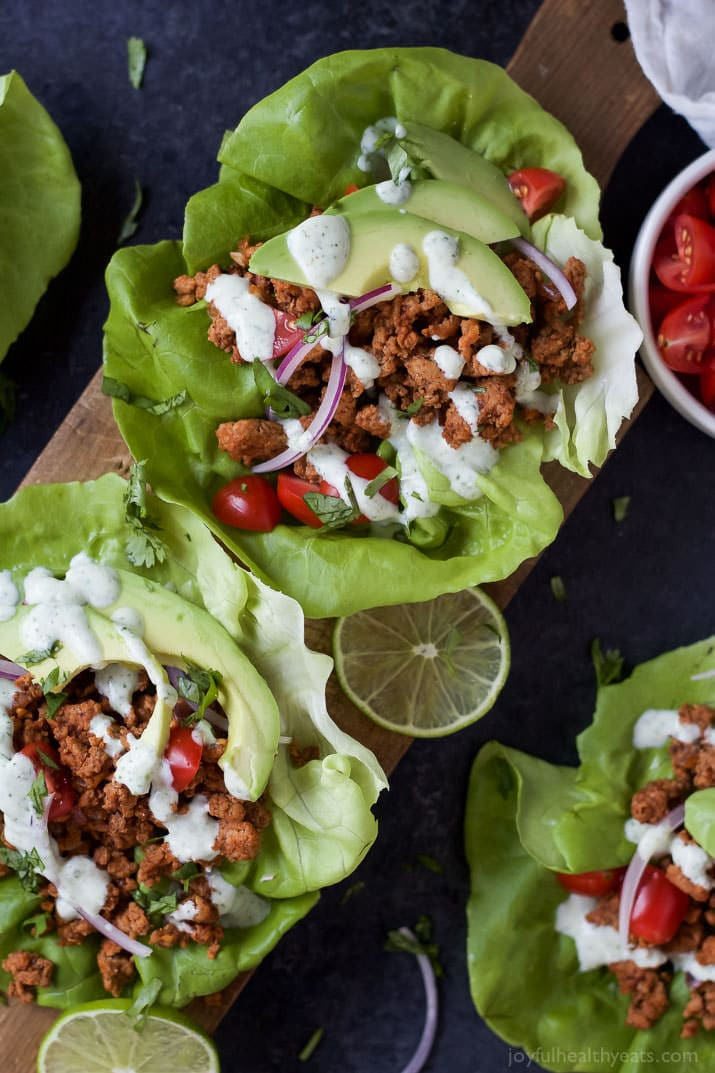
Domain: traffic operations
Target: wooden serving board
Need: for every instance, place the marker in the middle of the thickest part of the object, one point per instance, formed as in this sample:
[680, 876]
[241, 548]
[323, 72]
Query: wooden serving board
[570, 60]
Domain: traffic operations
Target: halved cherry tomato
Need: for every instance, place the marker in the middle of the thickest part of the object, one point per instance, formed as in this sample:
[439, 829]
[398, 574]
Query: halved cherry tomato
[707, 388]
[695, 202]
[661, 300]
[286, 334]
[248, 502]
[667, 265]
[352, 189]
[684, 335]
[659, 907]
[291, 490]
[537, 189]
[695, 241]
[367, 466]
[184, 755]
[57, 778]
[592, 883]
[710, 196]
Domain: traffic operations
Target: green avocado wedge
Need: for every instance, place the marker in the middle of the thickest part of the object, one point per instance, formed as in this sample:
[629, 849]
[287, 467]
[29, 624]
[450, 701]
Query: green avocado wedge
[527, 819]
[447, 204]
[39, 205]
[197, 604]
[374, 235]
[446, 158]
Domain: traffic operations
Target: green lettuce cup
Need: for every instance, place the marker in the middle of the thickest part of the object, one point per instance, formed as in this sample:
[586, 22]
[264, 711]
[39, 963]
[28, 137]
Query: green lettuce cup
[272, 172]
[39, 205]
[527, 819]
[190, 594]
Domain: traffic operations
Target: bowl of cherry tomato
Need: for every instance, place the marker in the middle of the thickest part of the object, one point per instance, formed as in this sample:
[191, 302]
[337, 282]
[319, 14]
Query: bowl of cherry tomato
[672, 287]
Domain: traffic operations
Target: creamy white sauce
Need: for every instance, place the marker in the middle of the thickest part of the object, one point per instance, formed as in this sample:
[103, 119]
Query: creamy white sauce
[709, 736]
[400, 131]
[184, 912]
[539, 400]
[496, 359]
[364, 364]
[336, 310]
[466, 403]
[599, 944]
[655, 726]
[7, 692]
[130, 618]
[404, 262]
[9, 596]
[331, 463]
[689, 963]
[527, 381]
[117, 683]
[413, 487]
[299, 439]
[251, 319]
[48, 623]
[693, 862]
[202, 733]
[448, 281]
[370, 157]
[136, 768]
[320, 247]
[82, 884]
[637, 832]
[460, 465]
[449, 361]
[238, 907]
[395, 193]
[508, 342]
[190, 836]
[99, 726]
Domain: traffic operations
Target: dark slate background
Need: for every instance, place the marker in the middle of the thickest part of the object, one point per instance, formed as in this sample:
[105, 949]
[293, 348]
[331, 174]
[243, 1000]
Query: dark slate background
[644, 585]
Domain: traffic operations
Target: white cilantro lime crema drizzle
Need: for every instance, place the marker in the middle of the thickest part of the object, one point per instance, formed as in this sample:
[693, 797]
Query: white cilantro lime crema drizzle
[598, 944]
[250, 318]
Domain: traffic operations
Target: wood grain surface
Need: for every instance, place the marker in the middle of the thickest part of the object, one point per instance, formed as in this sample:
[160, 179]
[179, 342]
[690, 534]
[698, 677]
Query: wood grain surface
[570, 60]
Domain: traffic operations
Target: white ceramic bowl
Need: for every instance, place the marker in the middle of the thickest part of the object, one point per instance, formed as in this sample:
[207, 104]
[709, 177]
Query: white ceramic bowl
[665, 380]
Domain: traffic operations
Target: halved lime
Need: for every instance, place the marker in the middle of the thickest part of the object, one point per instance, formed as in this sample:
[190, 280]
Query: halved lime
[99, 1038]
[424, 669]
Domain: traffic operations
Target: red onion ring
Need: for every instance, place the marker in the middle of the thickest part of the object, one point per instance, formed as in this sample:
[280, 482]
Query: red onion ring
[294, 358]
[634, 874]
[424, 1046]
[324, 415]
[381, 294]
[11, 670]
[110, 931]
[549, 268]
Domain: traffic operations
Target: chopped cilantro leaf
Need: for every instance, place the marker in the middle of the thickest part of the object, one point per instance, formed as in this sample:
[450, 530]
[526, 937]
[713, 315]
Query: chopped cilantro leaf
[332, 511]
[352, 891]
[311, 1045]
[38, 792]
[143, 547]
[156, 407]
[414, 407]
[199, 687]
[26, 865]
[47, 759]
[144, 999]
[131, 220]
[136, 55]
[558, 589]
[419, 943]
[38, 655]
[155, 901]
[185, 874]
[282, 401]
[54, 701]
[51, 681]
[380, 481]
[429, 863]
[320, 329]
[38, 925]
[620, 507]
[608, 665]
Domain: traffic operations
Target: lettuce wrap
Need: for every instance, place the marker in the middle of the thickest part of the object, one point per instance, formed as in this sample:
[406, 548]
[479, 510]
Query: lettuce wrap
[321, 823]
[39, 204]
[527, 819]
[300, 147]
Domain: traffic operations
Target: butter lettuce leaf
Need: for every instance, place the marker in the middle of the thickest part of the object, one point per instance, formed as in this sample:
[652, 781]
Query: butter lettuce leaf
[524, 820]
[322, 824]
[39, 205]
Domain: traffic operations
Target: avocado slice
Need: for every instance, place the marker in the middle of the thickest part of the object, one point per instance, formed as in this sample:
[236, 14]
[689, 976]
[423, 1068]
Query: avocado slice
[448, 204]
[374, 235]
[446, 158]
[175, 630]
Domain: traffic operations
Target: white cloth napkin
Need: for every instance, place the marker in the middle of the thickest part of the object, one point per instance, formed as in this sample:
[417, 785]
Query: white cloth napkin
[674, 41]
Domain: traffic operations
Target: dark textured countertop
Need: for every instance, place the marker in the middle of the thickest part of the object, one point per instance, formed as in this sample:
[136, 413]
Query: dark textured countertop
[644, 585]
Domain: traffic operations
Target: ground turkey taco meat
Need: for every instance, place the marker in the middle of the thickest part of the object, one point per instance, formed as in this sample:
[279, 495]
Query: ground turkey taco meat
[158, 879]
[677, 932]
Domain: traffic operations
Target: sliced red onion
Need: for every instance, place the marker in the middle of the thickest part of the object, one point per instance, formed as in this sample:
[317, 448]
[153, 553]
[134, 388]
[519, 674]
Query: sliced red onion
[424, 1047]
[634, 874]
[109, 931]
[324, 415]
[216, 719]
[11, 670]
[382, 294]
[294, 357]
[549, 268]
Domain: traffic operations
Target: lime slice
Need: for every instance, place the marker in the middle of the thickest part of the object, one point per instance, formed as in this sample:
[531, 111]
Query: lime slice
[424, 669]
[99, 1038]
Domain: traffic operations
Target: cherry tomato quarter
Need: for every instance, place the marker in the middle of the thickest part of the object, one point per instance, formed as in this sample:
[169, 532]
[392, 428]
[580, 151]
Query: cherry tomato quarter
[684, 335]
[248, 502]
[184, 755]
[286, 334]
[592, 883]
[659, 907]
[57, 778]
[695, 203]
[538, 189]
[291, 490]
[695, 242]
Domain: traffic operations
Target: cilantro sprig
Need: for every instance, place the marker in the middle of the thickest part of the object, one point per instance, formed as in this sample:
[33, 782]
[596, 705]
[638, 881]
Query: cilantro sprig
[282, 401]
[200, 687]
[27, 866]
[143, 547]
[421, 943]
[39, 655]
[334, 512]
[118, 390]
[608, 665]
